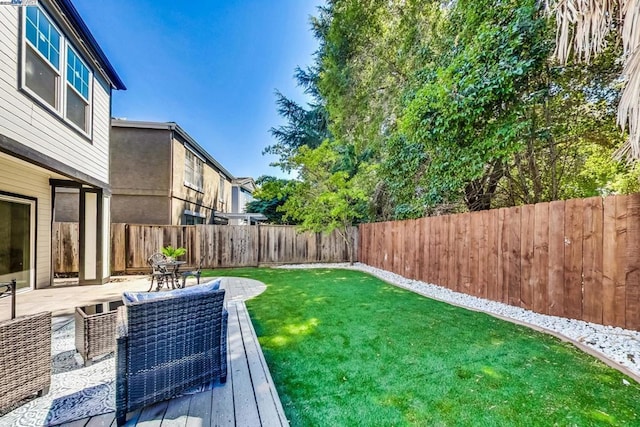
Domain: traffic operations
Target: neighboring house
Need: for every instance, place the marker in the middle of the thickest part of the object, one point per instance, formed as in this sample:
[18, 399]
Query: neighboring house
[55, 105]
[241, 193]
[160, 175]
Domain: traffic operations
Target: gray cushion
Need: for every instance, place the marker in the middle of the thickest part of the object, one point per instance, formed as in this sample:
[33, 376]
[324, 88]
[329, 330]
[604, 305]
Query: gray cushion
[137, 297]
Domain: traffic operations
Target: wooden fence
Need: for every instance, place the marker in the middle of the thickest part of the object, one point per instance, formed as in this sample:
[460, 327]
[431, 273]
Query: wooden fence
[577, 258]
[219, 246]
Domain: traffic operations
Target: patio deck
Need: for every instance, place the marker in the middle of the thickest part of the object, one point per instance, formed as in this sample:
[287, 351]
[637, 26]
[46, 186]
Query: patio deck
[249, 397]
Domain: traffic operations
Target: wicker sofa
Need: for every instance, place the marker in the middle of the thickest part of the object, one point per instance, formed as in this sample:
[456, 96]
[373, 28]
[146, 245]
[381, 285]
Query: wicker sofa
[167, 343]
[25, 358]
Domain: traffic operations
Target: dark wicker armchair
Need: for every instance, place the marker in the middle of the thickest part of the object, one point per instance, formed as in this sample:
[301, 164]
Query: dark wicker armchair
[167, 345]
[25, 357]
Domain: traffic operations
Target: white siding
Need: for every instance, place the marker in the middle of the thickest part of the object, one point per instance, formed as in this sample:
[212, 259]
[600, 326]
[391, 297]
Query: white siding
[30, 124]
[26, 180]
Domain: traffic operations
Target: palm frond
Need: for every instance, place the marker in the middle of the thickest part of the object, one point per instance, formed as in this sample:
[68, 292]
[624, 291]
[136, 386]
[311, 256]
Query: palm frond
[582, 27]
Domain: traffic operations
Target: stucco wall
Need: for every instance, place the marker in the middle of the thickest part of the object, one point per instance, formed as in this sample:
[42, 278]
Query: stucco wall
[205, 201]
[140, 209]
[140, 175]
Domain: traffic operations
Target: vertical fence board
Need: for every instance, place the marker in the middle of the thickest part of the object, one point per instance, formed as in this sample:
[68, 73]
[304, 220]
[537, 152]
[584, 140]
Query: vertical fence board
[451, 255]
[556, 258]
[475, 230]
[409, 249]
[465, 242]
[621, 256]
[118, 248]
[573, 258]
[423, 262]
[514, 256]
[503, 266]
[526, 251]
[592, 260]
[632, 278]
[65, 247]
[540, 266]
[461, 260]
[609, 262]
[492, 260]
[421, 259]
[445, 254]
[439, 258]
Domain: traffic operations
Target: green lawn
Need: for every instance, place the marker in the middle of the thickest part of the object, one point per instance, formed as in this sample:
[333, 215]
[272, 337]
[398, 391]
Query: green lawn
[347, 349]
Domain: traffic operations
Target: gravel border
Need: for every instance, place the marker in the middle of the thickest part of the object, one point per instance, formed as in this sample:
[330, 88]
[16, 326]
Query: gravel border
[618, 347]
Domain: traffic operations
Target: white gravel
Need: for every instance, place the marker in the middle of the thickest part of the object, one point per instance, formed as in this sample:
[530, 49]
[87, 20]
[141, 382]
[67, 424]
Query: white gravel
[619, 345]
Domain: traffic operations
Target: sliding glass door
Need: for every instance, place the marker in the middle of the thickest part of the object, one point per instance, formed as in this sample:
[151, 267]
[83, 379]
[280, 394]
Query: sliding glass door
[17, 240]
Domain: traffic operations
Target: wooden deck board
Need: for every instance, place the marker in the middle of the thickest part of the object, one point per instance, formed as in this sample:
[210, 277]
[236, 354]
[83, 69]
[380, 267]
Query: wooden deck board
[244, 399]
[267, 399]
[177, 412]
[249, 397]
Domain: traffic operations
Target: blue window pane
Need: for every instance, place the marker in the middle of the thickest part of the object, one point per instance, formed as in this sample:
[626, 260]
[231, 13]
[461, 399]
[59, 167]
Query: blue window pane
[69, 72]
[32, 13]
[77, 73]
[42, 35]
[44, 49]
[55, 58]
[32, 33]
[43, 29]
[55, 39]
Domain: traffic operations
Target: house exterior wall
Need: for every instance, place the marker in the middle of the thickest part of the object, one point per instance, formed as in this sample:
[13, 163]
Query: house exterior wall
[67, 202]
[205, 201]
[141, 175]
[25, 120]
[25, 180]
[45, 147]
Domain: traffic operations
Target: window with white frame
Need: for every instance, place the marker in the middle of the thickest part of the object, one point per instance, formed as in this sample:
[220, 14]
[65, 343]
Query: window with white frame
[193, 170]
[54, 72]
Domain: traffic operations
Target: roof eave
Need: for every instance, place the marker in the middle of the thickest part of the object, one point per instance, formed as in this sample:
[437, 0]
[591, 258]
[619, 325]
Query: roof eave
[92, 45]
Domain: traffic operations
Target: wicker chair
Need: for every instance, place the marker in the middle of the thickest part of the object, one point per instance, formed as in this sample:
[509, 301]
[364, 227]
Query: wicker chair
[167, 345]
[25, 358]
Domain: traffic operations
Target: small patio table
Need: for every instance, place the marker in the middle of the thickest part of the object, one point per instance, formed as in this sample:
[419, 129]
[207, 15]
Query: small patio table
[172, 267]
[95, 333]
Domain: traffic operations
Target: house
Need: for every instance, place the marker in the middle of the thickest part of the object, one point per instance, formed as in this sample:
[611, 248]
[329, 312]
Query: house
[242, 193]
[55, 103]
[160, 175]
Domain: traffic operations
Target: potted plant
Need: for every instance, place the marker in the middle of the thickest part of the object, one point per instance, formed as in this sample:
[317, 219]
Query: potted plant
[172, 253]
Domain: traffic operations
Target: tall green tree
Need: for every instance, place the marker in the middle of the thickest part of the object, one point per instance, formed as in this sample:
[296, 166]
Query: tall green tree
[326, 198]
[270, 196]
[465, 117]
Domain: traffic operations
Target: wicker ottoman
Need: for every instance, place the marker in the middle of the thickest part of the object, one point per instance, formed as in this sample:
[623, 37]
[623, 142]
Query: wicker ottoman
[96, 330]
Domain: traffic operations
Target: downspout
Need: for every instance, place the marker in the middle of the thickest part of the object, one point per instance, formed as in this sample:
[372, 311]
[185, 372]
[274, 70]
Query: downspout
[171, 167]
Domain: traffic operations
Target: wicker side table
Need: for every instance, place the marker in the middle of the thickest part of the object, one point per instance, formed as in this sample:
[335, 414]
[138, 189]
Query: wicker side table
[96, 330]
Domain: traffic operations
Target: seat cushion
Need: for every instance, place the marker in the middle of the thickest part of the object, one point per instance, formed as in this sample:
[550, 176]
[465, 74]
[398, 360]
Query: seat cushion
[137, 297]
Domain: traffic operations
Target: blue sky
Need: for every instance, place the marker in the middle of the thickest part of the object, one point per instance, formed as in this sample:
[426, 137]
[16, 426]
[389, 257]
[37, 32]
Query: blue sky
[210, 66]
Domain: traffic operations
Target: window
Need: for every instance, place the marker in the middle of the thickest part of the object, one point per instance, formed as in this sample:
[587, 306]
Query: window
[193, 171]
[42, 56]
[77, 90]
[193, 218]
[54, 72]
